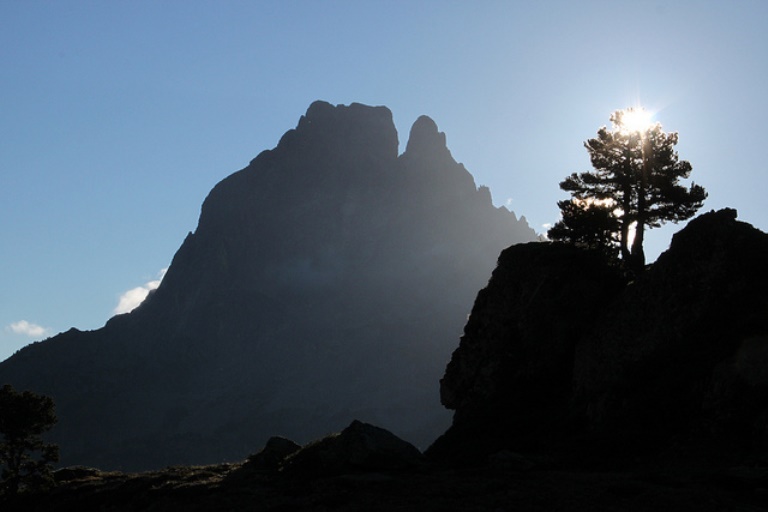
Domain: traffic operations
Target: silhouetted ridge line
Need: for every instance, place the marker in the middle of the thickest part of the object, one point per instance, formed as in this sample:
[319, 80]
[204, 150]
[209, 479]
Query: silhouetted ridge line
[325, 281]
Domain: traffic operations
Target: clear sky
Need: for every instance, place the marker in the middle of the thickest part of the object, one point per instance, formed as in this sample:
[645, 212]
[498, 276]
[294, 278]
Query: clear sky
[117, 118]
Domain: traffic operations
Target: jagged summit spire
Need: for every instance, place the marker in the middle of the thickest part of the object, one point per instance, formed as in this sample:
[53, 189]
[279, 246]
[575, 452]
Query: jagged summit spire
[425, 138]
[428, 156]
[356, 126]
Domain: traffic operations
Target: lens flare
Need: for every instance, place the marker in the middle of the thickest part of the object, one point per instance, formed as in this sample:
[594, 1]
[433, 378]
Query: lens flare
[634, 120]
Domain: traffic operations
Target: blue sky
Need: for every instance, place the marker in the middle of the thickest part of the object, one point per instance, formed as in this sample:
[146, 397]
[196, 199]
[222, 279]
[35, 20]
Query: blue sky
[117, 118]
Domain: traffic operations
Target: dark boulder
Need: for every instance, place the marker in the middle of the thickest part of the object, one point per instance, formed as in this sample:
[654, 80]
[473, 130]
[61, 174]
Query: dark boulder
[510, 377]
[358, 448]
[70, 473]
[561, 354]
[272, 455]
[677, 359]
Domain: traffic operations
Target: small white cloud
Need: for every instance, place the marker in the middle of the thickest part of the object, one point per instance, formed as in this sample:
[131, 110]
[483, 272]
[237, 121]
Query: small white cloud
[28, 329]
[131, 299]
[508, 202]
[546, 225]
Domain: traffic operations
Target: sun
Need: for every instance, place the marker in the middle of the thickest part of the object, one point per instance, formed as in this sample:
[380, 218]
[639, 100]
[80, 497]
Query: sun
[635, 119]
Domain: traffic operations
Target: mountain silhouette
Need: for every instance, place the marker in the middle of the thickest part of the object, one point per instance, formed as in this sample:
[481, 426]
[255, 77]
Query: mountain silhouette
[326, 281]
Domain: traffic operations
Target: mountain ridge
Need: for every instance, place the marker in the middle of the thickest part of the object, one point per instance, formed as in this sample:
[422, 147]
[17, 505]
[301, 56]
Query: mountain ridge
[325, 281]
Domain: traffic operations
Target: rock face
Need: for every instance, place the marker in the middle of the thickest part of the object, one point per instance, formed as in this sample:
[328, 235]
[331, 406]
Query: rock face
[327, 280]
[511, 375]
[560, 352]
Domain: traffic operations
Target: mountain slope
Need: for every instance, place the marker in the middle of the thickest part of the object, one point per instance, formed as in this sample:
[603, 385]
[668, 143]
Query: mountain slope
[326, 281]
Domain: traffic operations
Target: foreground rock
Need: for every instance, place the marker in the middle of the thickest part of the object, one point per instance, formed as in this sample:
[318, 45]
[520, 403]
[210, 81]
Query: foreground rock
[272, 456]
[560, 355]
[511, 376]
[328, 280]
[358, 448]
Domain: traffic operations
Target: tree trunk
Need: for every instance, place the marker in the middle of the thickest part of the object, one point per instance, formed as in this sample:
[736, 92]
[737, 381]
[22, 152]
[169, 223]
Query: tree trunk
[637, 259]
[626, 220]
[13, 477]
[637, 262]
[624, 241]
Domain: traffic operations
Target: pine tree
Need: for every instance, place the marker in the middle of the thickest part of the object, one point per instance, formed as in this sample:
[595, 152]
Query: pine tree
[24, 457]
[590, 225]
[635, 182]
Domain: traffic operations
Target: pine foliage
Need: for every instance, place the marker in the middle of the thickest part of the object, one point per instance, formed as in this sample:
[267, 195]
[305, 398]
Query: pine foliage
[25, 459]
[634, 186]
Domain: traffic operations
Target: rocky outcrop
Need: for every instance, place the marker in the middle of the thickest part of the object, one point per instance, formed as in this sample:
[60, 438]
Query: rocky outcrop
[559, 352]
[674, 359]
[271, 456]
[358, 448]
[325, 281]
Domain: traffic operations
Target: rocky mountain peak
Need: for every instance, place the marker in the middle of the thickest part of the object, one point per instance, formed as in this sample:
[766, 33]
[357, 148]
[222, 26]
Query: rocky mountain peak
[367, 128]
[425, 138]
[325, 281]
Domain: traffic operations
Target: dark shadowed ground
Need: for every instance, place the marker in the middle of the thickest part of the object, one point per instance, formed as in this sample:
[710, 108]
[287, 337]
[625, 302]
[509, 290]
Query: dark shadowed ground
[510, 484]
